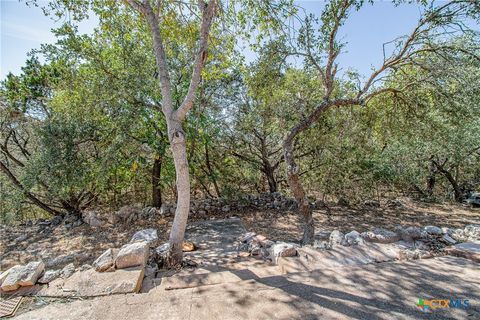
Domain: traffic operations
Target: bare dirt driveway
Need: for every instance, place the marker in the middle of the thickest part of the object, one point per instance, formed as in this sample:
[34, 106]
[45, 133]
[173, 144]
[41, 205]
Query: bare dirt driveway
[375, 291]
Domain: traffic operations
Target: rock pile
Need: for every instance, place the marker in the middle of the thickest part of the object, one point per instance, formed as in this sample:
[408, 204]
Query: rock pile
[415, 242]
[200, 208]
[259, 245]
[30, 274]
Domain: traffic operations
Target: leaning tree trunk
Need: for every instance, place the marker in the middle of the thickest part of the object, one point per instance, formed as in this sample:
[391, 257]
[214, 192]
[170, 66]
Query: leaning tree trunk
[156, 191]
[179, 151]
[298, 191]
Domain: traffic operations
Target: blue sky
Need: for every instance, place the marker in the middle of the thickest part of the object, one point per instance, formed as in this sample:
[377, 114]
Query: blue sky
[24, 28]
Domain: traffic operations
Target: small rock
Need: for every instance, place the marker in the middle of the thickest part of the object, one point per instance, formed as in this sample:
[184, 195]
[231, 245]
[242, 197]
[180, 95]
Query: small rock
[91, 218]
[148, 235]
[282, 249]
[322, 245]
[246, 236]
[371, 203]
[21, 238]
[381, 236]
[447, 230]
[56, 220]
[433, 230]
[459, 235]
[336, 237]
[164, 210]
[472, 232]
[160, 254]
[394, 204]
[188, 246]
[49, 276]
[67, 271]
[260, 238]
[150, 271]
[84, 267]
[322, 235]
[449, 239]
[343, 202]
[60, 260]
[353, 238]
[105, 261]
[132, 255]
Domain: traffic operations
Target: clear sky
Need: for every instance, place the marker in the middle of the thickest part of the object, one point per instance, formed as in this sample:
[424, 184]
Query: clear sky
[24, 28]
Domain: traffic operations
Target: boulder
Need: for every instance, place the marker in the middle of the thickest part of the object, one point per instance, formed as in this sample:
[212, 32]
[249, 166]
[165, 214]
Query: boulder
[433, 230]
[105, 261]
[381, 236]
[67, 271]
[49, 276]
[91, 218]
[411, 234]
[149, 236]
[132, 255]
[336, 237]
[352, 238]
[282, 249]
[29, 274]
[10, 282]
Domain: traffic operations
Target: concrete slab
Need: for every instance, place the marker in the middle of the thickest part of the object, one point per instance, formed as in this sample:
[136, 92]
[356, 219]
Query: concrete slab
[90, 283]
[374, 291]
[310, 259]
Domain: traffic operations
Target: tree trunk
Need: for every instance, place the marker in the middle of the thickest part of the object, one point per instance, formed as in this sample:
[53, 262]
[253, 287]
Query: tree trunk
[27, 193]
[211, 173]
[456, 188]
[299, 193]
[272, 182]
[179, 151]
[156, 190]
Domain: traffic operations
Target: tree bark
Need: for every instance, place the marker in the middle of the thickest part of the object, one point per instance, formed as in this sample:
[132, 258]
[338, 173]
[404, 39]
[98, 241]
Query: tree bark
[156, 190]
[456, 188]
[211, 173]
[299, 193]
[177, 233]
[431, 179]
[270, 174]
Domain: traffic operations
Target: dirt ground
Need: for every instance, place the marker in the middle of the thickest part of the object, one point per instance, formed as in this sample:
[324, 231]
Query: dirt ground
[59, 246]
